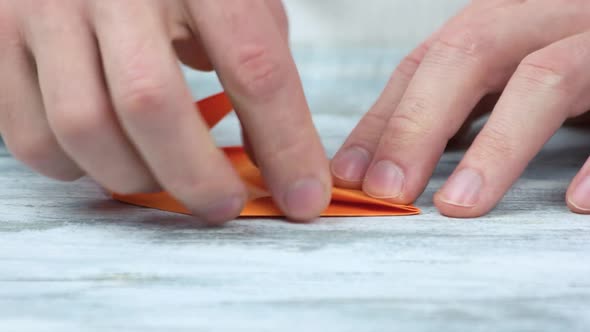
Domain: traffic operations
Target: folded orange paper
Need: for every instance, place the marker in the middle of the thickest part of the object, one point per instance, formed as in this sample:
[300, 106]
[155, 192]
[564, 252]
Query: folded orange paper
[345, 202]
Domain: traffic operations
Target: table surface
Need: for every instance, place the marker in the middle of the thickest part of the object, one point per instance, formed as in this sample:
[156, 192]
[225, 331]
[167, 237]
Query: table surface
[73, 260]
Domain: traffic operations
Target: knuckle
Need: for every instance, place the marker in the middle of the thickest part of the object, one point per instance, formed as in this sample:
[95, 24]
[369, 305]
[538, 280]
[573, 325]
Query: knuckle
[259, 73]
[546, 71]
[142, 95]
[494, 144]
[466, 42]
[405, 123]
[142, 83]
[403, 129]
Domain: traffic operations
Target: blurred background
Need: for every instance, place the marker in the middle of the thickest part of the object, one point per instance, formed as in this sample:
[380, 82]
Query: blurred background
[376, 23]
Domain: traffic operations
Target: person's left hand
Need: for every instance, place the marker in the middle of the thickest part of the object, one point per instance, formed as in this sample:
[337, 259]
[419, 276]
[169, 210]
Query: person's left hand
[536, 52]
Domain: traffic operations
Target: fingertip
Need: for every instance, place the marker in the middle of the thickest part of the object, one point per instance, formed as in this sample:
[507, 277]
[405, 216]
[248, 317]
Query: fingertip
[222, 211]
[451, 209]
[339, 183]
[385, 180]
[576, 208]
[462, 195]
[306, 199]
[350, 165]
[145, 186]
[578, 196]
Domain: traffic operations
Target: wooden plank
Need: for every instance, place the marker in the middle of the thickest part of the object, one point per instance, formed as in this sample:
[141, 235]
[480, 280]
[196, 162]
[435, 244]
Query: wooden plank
[73, 260]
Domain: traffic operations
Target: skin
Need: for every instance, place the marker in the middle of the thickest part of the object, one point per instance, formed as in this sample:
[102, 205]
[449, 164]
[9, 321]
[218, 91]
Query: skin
[94, 88]
[532, 55]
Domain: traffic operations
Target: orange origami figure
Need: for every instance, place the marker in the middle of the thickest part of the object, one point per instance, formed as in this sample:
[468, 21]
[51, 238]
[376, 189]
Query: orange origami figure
[344, 203]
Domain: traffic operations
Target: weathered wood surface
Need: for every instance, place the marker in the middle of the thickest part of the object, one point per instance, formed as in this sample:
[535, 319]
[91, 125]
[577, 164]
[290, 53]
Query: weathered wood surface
[72, 260]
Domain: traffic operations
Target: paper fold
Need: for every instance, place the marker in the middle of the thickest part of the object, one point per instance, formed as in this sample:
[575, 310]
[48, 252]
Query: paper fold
[345, 202]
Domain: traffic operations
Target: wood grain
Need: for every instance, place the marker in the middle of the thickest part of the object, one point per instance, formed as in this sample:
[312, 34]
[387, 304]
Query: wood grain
[72, 260]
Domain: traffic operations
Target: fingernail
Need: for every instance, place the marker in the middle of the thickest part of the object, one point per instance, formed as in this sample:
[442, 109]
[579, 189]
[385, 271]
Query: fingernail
[305, 199]
[351, 164]
[224, 210]
[581, 196]
[384, 180]
[463, 188]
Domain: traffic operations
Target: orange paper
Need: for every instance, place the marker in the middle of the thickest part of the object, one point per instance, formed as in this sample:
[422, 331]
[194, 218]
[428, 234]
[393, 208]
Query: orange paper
[345, 202]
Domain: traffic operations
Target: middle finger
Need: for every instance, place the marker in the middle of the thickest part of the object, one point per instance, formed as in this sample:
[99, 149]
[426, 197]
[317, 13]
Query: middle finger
[155, 107]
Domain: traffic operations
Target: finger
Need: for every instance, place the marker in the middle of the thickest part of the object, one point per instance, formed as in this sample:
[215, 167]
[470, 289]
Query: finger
[277, 10]
[547, 88]
[23, 123]
[465, 135]
[578, 193]
[351, 162]
[468, 61]
[189, 46]
[155, 108]
[77, 104]
[186, 43]
[432, 109]
[248, 147]
[256, 68]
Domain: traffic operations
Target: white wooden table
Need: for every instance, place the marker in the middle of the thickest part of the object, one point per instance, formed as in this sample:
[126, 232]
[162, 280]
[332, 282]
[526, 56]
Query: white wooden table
[72, 260]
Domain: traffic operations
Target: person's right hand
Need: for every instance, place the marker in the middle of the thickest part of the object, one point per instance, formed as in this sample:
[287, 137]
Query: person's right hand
[94, 87]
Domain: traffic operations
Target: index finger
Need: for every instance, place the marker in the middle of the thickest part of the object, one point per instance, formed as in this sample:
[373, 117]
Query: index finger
[255, 66]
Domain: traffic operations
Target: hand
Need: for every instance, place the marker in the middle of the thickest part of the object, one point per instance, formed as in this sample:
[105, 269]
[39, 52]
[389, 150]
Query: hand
[94, 87]
[536, 53]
